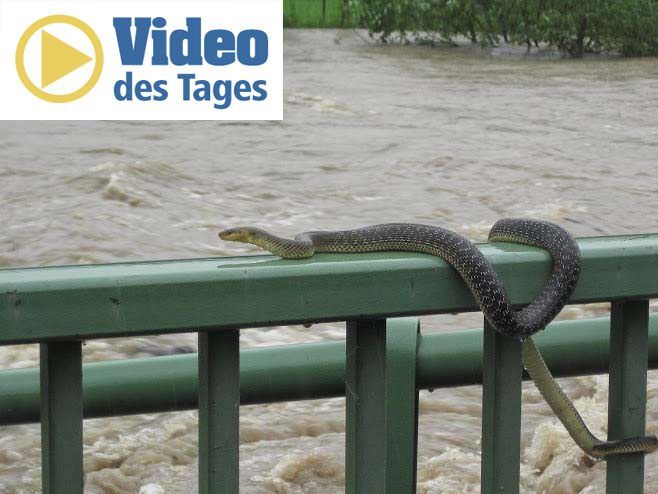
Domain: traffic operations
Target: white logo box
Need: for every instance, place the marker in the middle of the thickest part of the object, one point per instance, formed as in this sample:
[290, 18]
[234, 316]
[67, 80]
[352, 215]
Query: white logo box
[220, 44]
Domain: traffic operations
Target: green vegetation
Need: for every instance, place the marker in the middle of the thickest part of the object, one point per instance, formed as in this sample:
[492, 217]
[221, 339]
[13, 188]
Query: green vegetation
[575, 27]
[316, 13]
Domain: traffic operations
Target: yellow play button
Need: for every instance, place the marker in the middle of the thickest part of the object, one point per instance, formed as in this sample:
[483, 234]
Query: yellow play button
[44, 59]
[58, 58]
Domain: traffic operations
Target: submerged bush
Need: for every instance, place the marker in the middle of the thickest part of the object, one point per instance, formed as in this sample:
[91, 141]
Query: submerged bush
[632, 27]
[575, 27]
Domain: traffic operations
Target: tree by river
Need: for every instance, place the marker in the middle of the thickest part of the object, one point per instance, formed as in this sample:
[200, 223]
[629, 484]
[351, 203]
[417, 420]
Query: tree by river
[629, 27]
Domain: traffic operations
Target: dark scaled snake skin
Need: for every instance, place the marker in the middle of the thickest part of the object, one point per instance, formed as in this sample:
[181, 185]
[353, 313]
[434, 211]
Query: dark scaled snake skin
[486, 287]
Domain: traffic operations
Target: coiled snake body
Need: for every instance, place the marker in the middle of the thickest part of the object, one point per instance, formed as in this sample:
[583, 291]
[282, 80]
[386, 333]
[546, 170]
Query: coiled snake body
[486, 287]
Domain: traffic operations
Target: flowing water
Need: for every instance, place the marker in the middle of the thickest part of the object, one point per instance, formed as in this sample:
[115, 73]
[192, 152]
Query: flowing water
[454, 137]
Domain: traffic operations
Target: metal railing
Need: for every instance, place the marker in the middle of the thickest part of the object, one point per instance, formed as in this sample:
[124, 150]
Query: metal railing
[382, 364]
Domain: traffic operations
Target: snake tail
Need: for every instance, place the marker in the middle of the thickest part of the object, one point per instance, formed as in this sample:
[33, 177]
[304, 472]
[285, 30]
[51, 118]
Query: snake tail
[565, 410]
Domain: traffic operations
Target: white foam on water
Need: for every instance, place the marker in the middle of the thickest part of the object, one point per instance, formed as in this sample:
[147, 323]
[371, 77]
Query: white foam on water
[151, 489]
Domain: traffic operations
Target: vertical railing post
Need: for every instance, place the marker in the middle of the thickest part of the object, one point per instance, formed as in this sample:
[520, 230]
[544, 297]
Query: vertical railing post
[365, 439]
[382, 406]
[401, 405]
[324, 12]
[627, 397]
[219, 411]
[501, 413]
[61, 417]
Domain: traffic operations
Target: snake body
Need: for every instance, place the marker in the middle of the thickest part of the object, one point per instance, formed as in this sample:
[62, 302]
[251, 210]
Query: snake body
[486, 287]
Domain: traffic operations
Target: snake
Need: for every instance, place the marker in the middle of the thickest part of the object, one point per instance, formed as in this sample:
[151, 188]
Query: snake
[486, 287]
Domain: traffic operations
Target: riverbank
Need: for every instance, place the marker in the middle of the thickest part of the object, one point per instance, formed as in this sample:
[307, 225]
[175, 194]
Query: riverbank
[628, 28]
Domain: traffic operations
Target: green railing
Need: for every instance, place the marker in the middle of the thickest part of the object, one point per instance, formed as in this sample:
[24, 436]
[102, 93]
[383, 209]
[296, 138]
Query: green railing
[382, 364]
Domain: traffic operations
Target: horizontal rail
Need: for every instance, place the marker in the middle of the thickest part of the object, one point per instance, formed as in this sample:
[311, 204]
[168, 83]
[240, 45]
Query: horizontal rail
[302, 372]
[83, 302]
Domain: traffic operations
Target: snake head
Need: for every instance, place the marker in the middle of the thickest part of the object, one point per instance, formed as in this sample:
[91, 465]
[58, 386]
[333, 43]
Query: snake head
[237, 234]
[282, 247]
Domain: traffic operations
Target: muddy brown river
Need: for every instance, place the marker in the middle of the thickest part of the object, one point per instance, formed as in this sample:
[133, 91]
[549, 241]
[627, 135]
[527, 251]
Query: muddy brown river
[453, 137]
